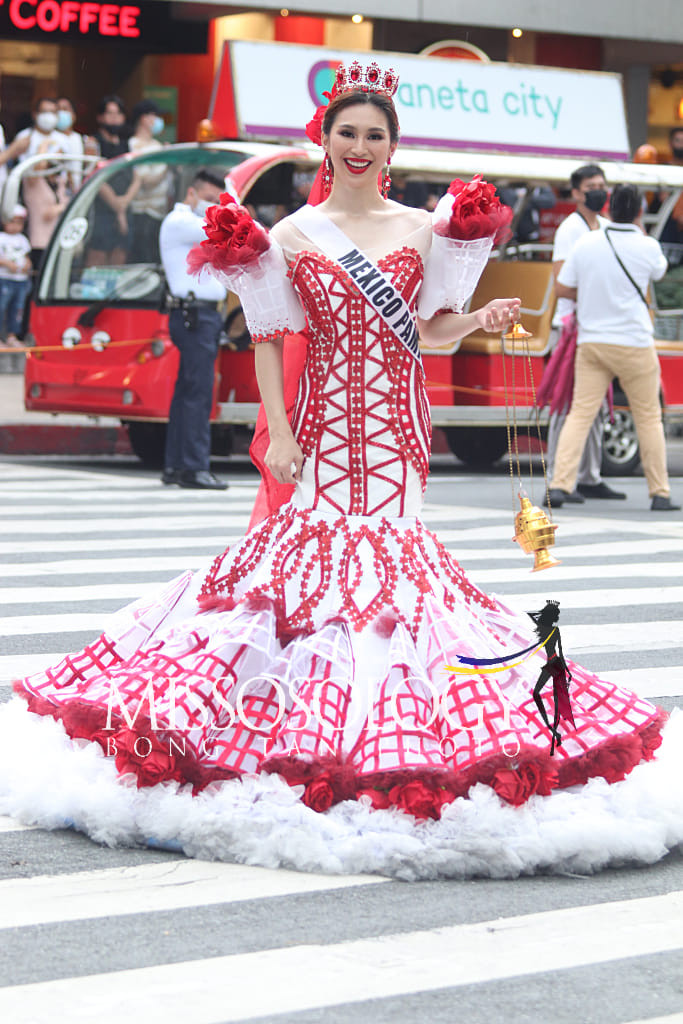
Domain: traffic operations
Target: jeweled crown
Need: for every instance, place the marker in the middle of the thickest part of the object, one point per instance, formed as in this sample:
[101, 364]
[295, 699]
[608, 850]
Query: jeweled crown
[370, 79]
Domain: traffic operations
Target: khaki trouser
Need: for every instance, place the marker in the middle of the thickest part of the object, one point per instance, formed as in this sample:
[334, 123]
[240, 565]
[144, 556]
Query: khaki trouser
[638, 373]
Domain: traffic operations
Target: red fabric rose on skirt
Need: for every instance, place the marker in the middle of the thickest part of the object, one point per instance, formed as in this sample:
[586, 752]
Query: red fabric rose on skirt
[516, 785]
[418, 799]
[319, 794]
[379, 798]
[145, 756]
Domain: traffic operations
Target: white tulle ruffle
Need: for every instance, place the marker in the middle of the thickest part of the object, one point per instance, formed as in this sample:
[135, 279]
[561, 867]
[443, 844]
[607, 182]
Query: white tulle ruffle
[48, 780]
[452, 270]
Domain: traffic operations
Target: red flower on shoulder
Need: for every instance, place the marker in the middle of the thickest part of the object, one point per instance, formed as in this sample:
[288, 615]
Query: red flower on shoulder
[477, 212]
[233, 238]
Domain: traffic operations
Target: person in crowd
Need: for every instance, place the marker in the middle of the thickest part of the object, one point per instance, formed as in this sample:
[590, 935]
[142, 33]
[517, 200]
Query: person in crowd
[41, 137]
[76, 144]
[676, 145]
[112, 131]
[150, 203]
[589, 192]
[15, 280]
[608, 274]
[195, 326]
[44, 185]
[109, 240]
[528, 226]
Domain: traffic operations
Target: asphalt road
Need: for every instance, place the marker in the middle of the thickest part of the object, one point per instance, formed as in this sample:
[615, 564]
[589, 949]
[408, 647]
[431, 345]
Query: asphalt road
[89, 931]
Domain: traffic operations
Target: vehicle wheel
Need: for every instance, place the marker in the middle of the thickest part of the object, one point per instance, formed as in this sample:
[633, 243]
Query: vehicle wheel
[620, 451]
[148, 441]
[477, 446]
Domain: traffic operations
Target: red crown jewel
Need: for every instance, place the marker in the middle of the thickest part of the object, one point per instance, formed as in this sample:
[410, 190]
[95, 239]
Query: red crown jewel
[368, 79]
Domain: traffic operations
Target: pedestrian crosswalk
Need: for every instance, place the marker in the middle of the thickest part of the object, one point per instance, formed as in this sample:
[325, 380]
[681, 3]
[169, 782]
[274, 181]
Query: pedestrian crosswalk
[88, 933]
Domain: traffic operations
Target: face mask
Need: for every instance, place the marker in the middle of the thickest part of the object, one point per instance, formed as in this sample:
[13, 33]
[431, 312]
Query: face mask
[201, 207]
[46, 121]
[64, 120]
[677, 152]
[158, 126]
[595, 199]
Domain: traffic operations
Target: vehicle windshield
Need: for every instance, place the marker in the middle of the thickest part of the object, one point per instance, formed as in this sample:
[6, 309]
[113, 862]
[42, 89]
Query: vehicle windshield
[106, 246]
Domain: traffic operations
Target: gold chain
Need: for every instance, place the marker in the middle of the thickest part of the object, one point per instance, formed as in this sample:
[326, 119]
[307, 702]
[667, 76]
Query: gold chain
[513, 437]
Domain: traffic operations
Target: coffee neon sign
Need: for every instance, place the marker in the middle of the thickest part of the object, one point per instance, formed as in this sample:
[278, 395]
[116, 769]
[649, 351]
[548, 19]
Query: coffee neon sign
[86, 18]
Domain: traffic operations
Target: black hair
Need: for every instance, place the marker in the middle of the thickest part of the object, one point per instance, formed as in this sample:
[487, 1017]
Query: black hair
[43, 99]
[587, 171]
[348, 99]
[141, 109]
[625, 204]
[111, 98]
[674, 131]
[209, 178]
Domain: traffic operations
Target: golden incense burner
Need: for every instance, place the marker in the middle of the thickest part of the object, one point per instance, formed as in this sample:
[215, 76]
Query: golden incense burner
[516, 333]
[534, 532]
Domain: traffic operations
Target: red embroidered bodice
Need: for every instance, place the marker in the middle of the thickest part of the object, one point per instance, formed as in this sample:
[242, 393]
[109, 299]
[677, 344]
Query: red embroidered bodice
[362, 415]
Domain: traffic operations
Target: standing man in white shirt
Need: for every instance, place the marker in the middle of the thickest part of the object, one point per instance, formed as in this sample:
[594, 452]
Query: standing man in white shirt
[608, 273]
[195, 326]
[589, 192]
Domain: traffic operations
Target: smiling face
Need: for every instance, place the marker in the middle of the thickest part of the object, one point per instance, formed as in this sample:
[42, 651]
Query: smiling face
[359, 144]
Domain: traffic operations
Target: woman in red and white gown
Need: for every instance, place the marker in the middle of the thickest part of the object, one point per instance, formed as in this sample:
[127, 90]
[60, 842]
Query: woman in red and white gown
[291, 705]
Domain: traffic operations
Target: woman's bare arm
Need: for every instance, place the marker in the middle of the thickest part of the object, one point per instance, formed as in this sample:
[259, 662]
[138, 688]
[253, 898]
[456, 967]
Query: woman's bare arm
[283, 451]
[495, 317]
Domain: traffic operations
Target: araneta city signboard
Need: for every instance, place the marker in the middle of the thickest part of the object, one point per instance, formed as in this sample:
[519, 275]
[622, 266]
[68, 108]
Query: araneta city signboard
[445, 104]
[147, 25]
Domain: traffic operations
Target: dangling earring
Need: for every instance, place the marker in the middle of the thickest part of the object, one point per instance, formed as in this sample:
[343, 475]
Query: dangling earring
[328, 175]
[386, 180]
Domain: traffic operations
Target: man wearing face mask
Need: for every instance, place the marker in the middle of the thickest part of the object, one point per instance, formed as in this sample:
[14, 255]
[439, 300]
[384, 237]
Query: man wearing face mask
[195, 326]
[589, 192]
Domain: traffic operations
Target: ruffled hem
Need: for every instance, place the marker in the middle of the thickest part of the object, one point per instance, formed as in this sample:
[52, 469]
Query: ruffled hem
[154, 756]
[260, 820]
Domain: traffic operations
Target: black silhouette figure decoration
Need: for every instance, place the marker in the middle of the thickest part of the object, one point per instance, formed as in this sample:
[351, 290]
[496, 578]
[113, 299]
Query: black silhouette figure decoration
[556, 667]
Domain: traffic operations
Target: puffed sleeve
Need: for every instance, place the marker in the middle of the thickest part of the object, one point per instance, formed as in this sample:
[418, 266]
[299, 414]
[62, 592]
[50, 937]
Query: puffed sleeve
[453, 265]
[269, 302]
[452, 270]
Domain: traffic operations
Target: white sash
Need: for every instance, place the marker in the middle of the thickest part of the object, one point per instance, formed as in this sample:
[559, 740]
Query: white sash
[375, 286]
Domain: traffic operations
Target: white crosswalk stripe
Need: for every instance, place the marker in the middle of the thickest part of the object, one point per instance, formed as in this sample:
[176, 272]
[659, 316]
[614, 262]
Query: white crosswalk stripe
[152, 887]
[371, 968]
[156, 937]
